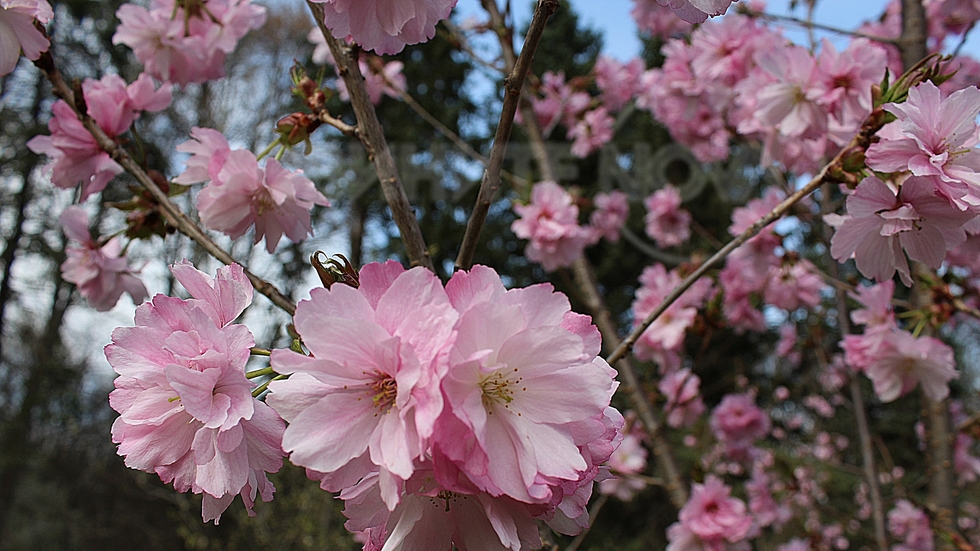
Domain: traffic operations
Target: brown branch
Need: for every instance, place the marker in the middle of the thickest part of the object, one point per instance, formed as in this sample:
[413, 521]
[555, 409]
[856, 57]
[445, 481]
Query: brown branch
[168, 209]
[512, 97]
[372, 137]
[662, 450]
[915, 32]
[857, 397]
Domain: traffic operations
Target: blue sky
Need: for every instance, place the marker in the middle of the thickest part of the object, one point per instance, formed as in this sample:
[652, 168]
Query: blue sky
[612, 17]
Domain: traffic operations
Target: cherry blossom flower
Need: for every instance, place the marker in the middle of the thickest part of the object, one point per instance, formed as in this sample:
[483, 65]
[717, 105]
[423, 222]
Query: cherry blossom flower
[682, 390]
[371, 386]
[275, 200]
[432, 518]
[630, 458]
[17, 31]
[882, 226]
[99, 270]
[611, 212]
[525, 389]
[697, 11]
[666, 333]
[710, 520]
[186, 46]
[209, 150]
[901, 361]
[934, 137]
[593, 131]
[550, 221]
[737, 422]
[385, 26]
[792, 285]
[910, 523]
[617, 81]
[186, 407]
[651, 17]
[666, 222]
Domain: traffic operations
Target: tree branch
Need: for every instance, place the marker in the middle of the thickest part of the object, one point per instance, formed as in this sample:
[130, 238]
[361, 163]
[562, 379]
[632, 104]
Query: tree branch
[170, 212]
[512, 97]
[372, 137]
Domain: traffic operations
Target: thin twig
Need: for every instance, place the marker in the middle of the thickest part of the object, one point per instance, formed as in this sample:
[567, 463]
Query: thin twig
[457, 140]
[818, 26]
[857, 397]
[585, 280]
[372, 137]
[870, 125]
[170, 212]
[512, 96]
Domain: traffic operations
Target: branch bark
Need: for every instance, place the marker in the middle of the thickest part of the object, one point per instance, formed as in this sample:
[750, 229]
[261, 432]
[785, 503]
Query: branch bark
[513, 85]
[371, 135]
[168, 209]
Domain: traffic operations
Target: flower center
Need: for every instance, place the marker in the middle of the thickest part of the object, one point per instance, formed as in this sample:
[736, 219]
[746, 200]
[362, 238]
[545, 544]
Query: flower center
[384, 392]
[498, 389]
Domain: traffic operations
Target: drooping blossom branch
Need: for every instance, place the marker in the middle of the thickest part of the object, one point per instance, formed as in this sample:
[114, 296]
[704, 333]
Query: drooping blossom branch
[513, 85]
[829, 173]
[371, 135]
[168, 209]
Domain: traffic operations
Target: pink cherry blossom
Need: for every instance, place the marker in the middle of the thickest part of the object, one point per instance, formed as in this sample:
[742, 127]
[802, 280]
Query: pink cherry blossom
[385, 26]
[654, 18]
[876, 300]
[381, 79]
[275, 200]
[185, 47]
[17, 31]
[882, 226]
[432, 518]
[550, 221]
[186, 407]
[710, 520]
[78, 159]
[934, 137]
[911, 524]
[209, 150]
[666, 222]
[666, 333]
[630, 458]
[526, 392]
[593, 131]
[902, 361]
[99, 270]
[682, 390]
[737, 422]
[617, 81]
[696, 11]
[611, 212]
[371, 386]
[792, 285]
[844, 79]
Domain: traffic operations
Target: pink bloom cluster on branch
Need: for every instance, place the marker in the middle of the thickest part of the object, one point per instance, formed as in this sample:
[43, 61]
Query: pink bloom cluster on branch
[666, 222]
[98, 269]
[114, 106]
[186, 407]
[711, 520]
[241, 194]
[18, 33]
[490, 404]
[186, 41]
[385, 26]
[550, 221]
[381, 78]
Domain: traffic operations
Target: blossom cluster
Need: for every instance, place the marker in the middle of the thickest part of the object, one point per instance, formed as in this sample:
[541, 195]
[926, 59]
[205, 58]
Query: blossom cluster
[448, 415]
[186, 41]
[186, 407]
[114, 106]
[241, 194]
